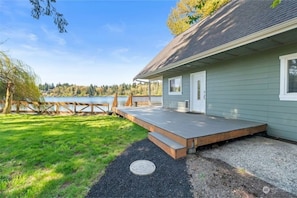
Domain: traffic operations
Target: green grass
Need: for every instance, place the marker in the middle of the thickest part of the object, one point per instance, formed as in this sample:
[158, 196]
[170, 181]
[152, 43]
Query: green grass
[59, 156]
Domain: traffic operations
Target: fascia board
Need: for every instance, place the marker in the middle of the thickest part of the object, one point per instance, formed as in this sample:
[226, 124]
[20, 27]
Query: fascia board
[268, 32]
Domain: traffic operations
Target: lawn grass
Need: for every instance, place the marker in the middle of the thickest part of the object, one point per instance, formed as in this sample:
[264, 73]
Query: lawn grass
[59, 156]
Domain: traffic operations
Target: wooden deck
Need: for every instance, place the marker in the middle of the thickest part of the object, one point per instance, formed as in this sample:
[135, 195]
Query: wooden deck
[178, 133]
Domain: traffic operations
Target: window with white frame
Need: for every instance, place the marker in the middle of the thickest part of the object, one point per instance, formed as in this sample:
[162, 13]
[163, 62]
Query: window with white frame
[288, 77]
[175, 86]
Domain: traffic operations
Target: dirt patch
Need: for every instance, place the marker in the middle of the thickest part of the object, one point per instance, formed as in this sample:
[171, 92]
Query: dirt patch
[214, 178]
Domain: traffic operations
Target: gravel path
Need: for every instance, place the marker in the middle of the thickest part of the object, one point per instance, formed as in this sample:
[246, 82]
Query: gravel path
[169, 180]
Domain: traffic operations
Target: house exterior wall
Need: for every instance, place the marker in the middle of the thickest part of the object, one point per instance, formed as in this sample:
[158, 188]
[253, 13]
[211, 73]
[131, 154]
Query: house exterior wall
[246, 88]
[171, 101]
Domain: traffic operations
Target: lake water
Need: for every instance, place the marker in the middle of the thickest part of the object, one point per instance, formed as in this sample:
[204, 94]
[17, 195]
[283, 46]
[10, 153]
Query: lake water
[156, 100]
[97, 99]
[94, 100]
[101, 99]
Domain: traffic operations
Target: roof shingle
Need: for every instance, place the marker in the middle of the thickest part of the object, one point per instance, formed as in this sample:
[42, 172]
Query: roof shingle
[236, 20]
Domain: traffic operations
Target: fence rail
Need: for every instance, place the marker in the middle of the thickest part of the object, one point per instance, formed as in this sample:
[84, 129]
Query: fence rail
[57, 107]
[138, 101]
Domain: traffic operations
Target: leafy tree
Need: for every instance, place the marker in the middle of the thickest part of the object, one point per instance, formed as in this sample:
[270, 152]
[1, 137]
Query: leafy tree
[91, 91]
[18, 80]
[275, 3]
[2, 91]
[78, 92]
[178, 19]
[66, 89]
[45, 7]
[205, 8]
[188, 12]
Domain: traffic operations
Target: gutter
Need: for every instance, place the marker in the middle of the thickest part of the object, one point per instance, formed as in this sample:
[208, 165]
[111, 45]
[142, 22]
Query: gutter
[257, 36]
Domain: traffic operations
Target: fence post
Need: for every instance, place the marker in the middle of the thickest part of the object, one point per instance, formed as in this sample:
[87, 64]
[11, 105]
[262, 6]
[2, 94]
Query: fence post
[18, 106]
[115, 102]
[92, 108]
[39, 107]
[129, 101]
[74, 108]
[57, 108]
[149, 93]
[1, 105]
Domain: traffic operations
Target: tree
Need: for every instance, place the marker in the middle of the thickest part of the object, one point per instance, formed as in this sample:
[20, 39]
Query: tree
[205, 8]
[177, 21]
[18, 80]
[2, 90]
[91, 91]
[275, 3]
[188, 12]
[45, 7]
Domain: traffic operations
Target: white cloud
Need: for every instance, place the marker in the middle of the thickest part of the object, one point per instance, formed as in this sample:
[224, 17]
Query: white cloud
[17, 11]
[29, 48]
[115, 28]
[58, 65]
[120, 51]
[121, 54]
[33, 37]
[19, 34]
[53, 36]
[162, 43]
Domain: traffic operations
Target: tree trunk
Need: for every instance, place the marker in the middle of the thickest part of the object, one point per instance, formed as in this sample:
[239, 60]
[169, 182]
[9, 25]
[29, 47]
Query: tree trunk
[8, 98]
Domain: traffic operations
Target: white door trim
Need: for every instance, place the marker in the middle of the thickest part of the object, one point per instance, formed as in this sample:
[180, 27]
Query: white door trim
[203, 73]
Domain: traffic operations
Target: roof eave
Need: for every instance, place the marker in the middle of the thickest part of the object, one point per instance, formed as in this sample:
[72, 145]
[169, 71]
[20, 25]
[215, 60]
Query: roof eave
[268, 32]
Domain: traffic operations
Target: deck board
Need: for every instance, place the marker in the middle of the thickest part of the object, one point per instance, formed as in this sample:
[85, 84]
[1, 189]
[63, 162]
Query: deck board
[188, 125]
[171, 128]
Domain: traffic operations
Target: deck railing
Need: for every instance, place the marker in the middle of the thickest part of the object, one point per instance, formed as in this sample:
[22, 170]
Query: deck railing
[146, 100]
[57, 107]
[139, 101]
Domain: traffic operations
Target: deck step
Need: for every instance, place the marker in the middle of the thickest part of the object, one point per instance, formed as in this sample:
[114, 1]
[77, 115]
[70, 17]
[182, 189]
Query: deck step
[172, 148]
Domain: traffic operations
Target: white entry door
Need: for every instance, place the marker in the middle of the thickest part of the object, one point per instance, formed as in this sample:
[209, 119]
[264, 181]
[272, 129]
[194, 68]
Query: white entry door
[198, 92]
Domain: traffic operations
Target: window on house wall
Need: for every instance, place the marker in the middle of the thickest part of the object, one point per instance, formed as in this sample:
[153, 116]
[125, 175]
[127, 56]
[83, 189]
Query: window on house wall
[175, 86]
[288, 77]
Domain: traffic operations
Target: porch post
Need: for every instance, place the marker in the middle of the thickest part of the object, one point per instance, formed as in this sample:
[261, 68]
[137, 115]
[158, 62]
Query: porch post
[149, 93]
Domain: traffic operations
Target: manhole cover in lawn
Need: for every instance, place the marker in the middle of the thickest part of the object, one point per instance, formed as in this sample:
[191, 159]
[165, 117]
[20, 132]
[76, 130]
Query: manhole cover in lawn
[142, 167]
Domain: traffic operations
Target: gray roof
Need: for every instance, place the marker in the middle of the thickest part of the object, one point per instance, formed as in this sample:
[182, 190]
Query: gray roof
[236, 20]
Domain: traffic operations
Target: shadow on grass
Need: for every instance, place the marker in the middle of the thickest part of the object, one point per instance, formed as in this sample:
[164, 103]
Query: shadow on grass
[46, 156]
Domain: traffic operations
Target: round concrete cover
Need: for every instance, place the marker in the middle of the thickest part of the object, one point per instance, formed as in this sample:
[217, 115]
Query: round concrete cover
[142, 167]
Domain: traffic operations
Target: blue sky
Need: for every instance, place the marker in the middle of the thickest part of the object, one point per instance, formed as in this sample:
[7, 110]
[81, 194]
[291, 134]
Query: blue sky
[108, 41]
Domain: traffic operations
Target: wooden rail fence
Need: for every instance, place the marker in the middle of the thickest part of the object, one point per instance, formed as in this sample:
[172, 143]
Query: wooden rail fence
[57, 107]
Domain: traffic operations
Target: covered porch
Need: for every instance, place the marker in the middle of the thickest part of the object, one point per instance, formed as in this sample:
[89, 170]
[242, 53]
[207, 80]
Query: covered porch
[179, 133]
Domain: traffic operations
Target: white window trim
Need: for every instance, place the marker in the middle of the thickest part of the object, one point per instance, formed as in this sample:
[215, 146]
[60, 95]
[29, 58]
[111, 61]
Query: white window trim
[284, 95]
[181, 85]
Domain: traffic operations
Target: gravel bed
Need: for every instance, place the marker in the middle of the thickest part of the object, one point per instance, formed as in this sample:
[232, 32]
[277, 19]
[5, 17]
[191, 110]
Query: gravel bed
[268, 159]
[169, 180]
[215, 178]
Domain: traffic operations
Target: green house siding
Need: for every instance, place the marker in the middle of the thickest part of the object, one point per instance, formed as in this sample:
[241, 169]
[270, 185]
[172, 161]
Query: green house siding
[171, 101]
[246, 88]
